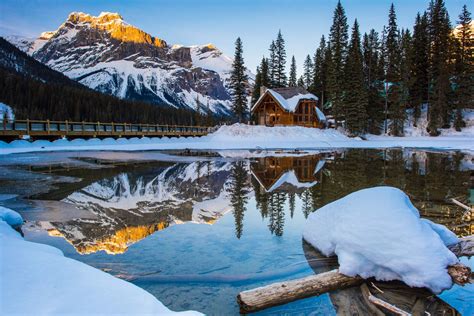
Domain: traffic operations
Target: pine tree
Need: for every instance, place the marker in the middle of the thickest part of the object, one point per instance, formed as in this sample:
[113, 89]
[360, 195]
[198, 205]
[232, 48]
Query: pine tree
[406, 59]
[238, 83]
[272, 66]
[318, 83]
[280, 59]
[308, 72]
[264, 70]
[393, 75]
[338, 38]
[464, 78]
[292, 82]
[355, 96]
[419, 66]
[238, 191]
[373, 76]
[440, 38]
[256, 87]
[300, 82]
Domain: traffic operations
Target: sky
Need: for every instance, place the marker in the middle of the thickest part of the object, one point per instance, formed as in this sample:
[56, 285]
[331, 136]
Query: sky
[188, 22]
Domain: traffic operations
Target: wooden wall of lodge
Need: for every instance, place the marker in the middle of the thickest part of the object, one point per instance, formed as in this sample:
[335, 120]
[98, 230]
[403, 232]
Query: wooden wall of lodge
[270, 113]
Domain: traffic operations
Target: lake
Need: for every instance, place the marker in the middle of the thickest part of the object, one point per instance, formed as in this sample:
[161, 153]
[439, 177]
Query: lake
[194, 232]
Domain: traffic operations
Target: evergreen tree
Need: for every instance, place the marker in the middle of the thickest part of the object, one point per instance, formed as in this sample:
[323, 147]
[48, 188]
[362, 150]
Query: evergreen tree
[355, 97]
[265, 72]
[308, 71]
[256, 87]
[272, 66]
[238, 83]
[338, 38]
[238, 191]
[373, 76]
[292, 82]
[300, 82]
[319, 72]
[464, 67]
[440, 39]
[419, 66]
[280, 59]
[405, 66]
[393, 75]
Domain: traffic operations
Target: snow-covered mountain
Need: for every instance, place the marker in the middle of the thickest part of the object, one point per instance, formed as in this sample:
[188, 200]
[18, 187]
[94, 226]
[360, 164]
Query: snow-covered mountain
[109, 55]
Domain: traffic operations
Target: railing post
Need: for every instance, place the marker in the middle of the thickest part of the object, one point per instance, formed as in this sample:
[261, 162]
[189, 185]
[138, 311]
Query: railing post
[28, 126]
[67, 128]
[83, 130]
[48, 126]
[113, 129]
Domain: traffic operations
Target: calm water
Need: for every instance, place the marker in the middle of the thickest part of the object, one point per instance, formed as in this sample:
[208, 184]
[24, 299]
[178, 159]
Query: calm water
[195, 234]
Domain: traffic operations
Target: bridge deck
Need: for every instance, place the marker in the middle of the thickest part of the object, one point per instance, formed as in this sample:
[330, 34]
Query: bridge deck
[46, 129]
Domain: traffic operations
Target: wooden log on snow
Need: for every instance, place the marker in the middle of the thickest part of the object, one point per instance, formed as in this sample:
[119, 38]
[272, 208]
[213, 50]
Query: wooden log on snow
[288, 291]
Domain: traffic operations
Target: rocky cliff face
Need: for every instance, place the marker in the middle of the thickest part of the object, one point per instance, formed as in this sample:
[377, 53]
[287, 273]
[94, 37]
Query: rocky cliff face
[109, 55]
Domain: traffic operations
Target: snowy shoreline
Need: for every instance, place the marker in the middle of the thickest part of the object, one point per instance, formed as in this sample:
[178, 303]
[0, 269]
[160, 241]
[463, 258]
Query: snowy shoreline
[38, 280]
[240, 136]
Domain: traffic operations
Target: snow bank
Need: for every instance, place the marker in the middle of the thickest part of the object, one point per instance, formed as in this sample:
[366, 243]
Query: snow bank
[377, 232]
[12, 218]
[241, 136]
[37, 280]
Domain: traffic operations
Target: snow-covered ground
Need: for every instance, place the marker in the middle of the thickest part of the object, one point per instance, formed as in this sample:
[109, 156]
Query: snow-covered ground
[241, 136]
[37, 280]
[377, 232]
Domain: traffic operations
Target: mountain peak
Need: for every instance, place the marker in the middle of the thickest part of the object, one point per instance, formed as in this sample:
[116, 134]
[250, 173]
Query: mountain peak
[114, 24]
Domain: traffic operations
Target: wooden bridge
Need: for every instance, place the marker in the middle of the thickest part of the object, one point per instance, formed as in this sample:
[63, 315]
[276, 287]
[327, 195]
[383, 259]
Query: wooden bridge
[57, 129]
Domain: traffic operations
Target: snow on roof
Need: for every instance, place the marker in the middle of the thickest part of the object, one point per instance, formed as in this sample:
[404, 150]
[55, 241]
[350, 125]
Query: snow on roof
[291, 178]
[289, 98]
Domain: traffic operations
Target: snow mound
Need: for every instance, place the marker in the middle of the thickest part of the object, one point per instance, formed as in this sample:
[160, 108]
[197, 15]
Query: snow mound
[377, 232]
[6, 112]
[12, 218]
[37, 280]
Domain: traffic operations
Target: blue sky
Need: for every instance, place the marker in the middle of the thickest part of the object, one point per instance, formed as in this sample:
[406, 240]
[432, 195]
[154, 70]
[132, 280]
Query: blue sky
[188, 22]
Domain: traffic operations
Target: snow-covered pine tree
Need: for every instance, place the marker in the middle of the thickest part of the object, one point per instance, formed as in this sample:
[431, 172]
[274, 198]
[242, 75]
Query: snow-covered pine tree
[464, 67]
[419, 66]
[355, 93]
[440, 39]
[393, 75]
[292, 81]
[238, 83]
[308, 71]
[373, 75]
[338, 38]
[280, 54]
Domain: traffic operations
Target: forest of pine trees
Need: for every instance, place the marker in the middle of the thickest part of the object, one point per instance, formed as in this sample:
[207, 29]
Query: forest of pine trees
[370, 82]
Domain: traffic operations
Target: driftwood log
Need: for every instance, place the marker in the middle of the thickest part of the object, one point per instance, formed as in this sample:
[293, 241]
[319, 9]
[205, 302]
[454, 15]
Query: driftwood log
[289, 291]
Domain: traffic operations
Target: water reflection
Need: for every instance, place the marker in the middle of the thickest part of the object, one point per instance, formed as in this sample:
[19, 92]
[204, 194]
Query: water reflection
[132, 205]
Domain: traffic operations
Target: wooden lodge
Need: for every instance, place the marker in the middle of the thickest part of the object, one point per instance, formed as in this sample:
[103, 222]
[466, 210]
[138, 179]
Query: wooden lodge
[293, 106]
[287, 173]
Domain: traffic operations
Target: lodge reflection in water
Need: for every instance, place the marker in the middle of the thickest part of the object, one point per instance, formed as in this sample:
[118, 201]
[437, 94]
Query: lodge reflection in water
[131, 206]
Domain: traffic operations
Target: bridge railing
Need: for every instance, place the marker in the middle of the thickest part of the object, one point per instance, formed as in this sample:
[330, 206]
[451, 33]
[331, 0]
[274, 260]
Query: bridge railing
[39, 127]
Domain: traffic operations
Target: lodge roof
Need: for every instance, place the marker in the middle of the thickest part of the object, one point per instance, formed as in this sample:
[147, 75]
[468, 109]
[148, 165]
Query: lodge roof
[289, 98]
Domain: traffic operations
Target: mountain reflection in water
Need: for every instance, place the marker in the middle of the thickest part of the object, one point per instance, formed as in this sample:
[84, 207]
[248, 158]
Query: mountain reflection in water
[132, 205]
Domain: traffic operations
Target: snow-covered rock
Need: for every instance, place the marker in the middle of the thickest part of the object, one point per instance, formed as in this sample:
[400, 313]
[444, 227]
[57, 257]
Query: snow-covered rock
[377, 232]
[107, 54]
[38, 280]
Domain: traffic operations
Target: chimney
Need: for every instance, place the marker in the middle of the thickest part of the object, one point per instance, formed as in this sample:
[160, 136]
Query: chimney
[262, 90]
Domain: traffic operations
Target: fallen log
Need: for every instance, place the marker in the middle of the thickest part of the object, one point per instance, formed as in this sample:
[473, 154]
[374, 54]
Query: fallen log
[288, 291]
